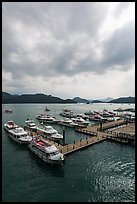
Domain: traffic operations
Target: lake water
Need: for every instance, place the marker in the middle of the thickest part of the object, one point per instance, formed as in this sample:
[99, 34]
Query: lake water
[104, 172]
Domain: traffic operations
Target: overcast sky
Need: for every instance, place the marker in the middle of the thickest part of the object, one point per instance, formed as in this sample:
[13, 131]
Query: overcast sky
[69, 49]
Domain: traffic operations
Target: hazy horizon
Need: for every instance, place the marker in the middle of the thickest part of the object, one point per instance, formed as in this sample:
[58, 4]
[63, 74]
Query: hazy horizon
[68, 97]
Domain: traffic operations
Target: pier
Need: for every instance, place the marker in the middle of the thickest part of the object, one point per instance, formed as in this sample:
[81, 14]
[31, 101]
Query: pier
[77, 145]
[125, 134]
[82, 143]
[98, 133]
[100, 127]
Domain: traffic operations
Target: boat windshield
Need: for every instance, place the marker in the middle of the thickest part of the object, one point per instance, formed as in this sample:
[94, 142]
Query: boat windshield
[25, 135]
[54, 153]
[32, 124]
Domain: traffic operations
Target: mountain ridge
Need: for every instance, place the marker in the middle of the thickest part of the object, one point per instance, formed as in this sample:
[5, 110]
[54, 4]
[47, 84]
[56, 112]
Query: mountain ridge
[32, 98]
[43, 98]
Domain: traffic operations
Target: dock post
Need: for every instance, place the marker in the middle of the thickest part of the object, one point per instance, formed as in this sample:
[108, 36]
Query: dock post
[80, 142]
[63, 135]
[101, 125]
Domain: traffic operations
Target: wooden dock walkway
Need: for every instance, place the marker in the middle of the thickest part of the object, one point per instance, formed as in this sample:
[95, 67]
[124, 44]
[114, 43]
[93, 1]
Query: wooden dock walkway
[95, 136]
[124, 134]
[70, 148]
[93, 130]
[77, 145]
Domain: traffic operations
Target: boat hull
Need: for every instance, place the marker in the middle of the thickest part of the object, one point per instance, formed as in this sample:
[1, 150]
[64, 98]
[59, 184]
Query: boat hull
[17, 140]
[44, 157]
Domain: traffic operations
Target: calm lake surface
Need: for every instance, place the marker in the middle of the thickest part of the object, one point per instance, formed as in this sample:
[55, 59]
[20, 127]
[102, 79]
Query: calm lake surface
[104, 172]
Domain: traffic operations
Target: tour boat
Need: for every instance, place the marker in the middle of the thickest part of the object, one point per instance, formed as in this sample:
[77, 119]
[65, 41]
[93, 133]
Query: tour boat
[40, 115]
[67, 113]
[107, 113]
[10, 125]
[67, 122]
[80, 121]
[30, 125]
[19, 135]
[97, 117]
[46, 151]
[49, 118]
[50, 133]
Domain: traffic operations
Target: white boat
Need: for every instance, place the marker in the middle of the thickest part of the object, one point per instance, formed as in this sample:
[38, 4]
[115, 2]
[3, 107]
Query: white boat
[91, 113]
[40, 115]
[67, 122]
[97, 117]
[19, 135]
[67, 113]
[29, 123]
[50, 132]
[10, 125]
[49, 118]
[46, 151]
[80, 121]
[107, 113]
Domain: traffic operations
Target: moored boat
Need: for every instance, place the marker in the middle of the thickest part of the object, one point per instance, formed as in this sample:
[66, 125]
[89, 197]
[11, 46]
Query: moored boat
[97, 117]
[80, 121]
[67, 113]
[30, 124]
[67, 122]
[10, 125]
[107, 113]
[46, 151]
[50, 133]
[19, 135]
[49, 118]
[40, 115]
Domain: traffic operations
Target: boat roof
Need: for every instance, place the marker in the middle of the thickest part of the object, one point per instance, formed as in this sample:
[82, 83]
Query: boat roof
[49, 148]
[32, 124]
[57, 135]
[29, 121]
[48, 126]
[10, 124]
[18, 131]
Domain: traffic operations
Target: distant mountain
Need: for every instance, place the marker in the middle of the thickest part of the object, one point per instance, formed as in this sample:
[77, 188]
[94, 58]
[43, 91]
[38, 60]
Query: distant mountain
[97, 101]
[8, 97]
[106, 99]
[42, 98]
[123, 100]
[69, 101]
[80, 100]
[33, 98]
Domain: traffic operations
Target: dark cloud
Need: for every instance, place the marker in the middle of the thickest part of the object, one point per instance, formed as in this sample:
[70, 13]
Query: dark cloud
[87, 17]
[119, 49]
[57, 22]
[48, 39]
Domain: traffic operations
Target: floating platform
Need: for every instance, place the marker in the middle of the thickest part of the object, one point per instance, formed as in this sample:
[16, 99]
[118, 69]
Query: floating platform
[96, 136]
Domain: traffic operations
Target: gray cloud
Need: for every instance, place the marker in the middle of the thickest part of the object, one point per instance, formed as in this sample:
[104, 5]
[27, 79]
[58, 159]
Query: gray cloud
[119, 49]
[57, 24]
[49, 39]
[121, 7]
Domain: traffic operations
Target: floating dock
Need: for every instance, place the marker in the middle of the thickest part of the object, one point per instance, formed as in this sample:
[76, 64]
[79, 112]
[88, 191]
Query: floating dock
[125, 134]
[77, 145]
[99, 133]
